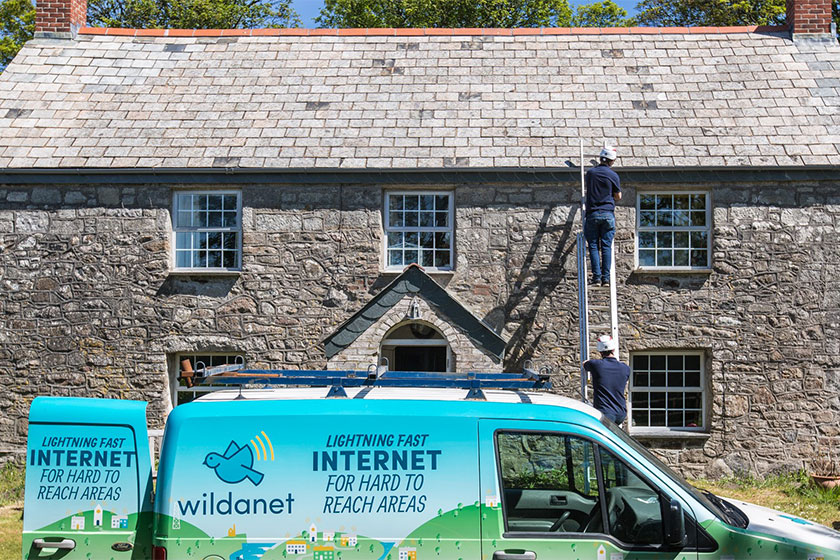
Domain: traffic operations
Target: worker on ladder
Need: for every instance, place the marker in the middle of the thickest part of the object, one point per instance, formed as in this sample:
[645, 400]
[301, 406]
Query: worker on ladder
[603, 189]
[609, 380]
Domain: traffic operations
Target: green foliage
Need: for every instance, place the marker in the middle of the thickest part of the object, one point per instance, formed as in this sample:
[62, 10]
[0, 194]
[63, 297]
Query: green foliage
[445, 13]
[192, 14]
[12, 479]
[662, 13]
[550, 13]
[11, 529]
[835, 13]
[784, 481]
[796, 485]
[543, 480]
[601, 14]
[17, 24]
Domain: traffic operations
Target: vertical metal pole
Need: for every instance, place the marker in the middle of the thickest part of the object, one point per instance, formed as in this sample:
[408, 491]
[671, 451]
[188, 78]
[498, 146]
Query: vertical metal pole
[583, 300]
[614, 303]
[583, 323]
[582, 183]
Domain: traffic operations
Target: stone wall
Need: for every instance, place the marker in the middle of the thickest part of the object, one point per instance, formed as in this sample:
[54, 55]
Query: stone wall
[90, 307]
[767, 316]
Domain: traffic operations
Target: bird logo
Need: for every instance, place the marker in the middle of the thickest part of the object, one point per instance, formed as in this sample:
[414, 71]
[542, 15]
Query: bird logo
[234, 465]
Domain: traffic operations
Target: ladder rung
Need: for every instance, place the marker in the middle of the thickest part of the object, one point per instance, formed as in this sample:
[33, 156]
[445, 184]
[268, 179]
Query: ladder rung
[599, 307]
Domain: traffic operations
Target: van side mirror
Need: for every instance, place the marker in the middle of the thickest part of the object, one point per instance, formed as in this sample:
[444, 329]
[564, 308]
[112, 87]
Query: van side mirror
[674, 525]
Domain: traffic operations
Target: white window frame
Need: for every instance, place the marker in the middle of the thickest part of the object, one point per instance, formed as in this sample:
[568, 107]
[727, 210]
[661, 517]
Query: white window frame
[197, 390]
[183, 229]
[450, 229]
[642, 430]
[707, 229]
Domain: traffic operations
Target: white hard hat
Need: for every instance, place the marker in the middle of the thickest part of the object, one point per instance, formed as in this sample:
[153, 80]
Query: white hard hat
[605, 343]
[608, 152]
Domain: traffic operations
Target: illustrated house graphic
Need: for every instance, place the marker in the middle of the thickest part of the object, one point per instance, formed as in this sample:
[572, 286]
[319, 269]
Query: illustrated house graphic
[348, 540]
[97, 516]
[313, 533]
[329, 537]
[77, 523]
[296, 547]
[119, 522]
[408, 553]
[491, 501]
[323, 553]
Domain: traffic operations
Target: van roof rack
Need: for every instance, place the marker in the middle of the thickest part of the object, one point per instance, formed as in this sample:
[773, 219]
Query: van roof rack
[377, 377]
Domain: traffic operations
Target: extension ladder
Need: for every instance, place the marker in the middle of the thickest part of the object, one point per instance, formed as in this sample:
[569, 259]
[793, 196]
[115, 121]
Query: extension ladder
[600, 317]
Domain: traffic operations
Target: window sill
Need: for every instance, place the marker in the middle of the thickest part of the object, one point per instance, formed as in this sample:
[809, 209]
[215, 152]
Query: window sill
[210, 272]
[648, 434]
[430, 272]
[660, 271]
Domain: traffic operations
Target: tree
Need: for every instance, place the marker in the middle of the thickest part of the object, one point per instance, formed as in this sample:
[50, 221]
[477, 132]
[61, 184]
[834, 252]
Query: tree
[17, 24]
[445, 13]
[601, 14]
[835, 13]
[192, 14]
[663, 13]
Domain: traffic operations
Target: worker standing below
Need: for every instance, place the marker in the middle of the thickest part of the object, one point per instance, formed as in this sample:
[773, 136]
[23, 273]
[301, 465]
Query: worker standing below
[603, 189]
[609, 379]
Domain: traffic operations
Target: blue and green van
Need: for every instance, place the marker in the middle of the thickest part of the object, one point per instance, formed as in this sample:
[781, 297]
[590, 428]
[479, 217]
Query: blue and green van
[380, 474]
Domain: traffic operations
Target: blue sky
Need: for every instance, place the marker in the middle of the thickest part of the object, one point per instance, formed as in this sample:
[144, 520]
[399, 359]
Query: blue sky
[308, 9]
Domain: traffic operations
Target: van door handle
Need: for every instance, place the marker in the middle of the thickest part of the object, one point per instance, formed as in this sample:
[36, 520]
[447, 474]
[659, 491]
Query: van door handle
[558, 501]
[65, 544]
[517, 555]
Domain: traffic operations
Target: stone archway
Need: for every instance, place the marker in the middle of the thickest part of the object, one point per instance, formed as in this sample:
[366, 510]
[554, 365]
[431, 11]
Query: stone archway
[415, 345]
[414, 298]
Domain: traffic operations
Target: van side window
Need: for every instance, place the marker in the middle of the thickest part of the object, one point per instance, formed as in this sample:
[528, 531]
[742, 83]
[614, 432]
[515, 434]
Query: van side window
[634, 510]
[549, 483]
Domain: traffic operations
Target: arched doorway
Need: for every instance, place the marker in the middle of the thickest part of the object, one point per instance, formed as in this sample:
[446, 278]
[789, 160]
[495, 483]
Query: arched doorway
[417, 346]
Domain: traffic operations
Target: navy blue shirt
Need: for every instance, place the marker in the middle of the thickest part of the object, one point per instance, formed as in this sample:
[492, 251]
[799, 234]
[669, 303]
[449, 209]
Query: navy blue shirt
[601, 183]
[609, 378]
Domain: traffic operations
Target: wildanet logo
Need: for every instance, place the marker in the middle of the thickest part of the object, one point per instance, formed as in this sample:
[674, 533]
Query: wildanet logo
[232, 467]
[236, 464]
[211, 504]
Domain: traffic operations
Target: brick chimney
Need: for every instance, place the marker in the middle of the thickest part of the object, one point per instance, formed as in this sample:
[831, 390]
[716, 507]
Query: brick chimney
[61, 18]
[809, 17]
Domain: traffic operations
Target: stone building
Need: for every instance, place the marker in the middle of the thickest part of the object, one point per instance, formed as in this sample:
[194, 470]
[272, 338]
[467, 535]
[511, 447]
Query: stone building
[258, 195]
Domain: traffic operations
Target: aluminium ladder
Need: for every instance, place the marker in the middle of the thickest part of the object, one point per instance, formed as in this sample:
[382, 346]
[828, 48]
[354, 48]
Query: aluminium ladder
[606, 314]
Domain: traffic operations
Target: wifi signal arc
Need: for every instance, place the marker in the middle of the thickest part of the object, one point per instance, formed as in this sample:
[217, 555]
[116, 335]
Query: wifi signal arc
[264, 456]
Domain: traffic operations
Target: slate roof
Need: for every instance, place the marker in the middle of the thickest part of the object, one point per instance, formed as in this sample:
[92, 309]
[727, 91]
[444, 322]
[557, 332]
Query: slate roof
[409, 100]
[414, 281]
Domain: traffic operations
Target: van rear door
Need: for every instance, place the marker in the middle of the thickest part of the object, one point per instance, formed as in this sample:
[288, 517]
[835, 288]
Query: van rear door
[88, 480]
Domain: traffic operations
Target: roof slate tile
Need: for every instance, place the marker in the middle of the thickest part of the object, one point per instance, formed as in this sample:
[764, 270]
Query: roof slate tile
[427, 101]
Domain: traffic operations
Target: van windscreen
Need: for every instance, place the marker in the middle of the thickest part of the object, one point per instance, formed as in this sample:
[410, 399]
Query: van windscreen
[667, 471]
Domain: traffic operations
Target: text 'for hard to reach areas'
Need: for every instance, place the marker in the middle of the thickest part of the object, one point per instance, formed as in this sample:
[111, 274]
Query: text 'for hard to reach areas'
[354, 489]
[67, 471]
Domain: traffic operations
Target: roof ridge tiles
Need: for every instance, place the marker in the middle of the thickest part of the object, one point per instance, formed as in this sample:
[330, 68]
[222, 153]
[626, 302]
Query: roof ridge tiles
[431, 31]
